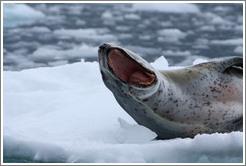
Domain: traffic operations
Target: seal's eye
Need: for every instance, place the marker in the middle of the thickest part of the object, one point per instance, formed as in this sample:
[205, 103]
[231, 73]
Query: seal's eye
[128, 70]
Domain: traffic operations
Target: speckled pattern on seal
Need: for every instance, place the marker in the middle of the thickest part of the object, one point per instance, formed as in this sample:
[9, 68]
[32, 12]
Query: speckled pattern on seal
[205, 98]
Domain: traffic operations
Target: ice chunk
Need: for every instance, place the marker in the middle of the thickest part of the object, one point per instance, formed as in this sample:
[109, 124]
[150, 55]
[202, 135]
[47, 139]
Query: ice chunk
[198, 61]
[160, 63]
[31, 151]
[66, 114]
[237, 41]
[238, 50]
[19, 14]
[167, 7]
[107, 15]
[133, 133]
[170, 35]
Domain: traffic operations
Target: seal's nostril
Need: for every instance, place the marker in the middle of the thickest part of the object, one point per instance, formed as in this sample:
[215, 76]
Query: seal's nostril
[104, 46]
[104, 49]
[101, 47]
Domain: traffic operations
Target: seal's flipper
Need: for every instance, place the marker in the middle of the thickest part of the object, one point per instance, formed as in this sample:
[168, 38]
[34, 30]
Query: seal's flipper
[232, 65]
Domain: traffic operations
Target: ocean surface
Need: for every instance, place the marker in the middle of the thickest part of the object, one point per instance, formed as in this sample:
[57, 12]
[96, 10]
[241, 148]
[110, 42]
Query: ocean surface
[37, 35]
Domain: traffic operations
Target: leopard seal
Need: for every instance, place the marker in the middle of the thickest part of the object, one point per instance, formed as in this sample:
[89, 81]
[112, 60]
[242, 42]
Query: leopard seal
[204, 98]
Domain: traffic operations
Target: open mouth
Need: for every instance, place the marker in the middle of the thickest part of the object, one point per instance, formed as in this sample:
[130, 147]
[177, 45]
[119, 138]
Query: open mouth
[129, 70]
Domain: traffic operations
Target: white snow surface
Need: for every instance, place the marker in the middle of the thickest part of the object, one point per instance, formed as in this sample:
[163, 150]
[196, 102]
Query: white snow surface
[66, 114]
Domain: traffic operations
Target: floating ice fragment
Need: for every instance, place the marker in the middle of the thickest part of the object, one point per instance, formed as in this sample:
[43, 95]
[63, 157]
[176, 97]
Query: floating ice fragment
[198, 61]
[160, 63]
[167, 7]
[133, 133]
[19, 14]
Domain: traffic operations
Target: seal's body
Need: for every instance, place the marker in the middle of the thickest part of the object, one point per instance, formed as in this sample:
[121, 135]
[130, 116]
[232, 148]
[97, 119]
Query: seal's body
[205, 98]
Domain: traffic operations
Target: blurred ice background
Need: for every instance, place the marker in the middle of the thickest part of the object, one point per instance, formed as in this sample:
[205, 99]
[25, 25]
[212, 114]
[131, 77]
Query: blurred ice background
[37, 35]
[62, 112]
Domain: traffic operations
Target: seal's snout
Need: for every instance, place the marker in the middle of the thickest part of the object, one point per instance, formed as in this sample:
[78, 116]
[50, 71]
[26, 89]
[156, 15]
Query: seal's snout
[120, 63]
[103, 52]
[104, 46]
[104, 49]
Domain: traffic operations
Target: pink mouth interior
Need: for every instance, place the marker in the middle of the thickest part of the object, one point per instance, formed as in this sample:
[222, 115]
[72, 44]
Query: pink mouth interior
[128, 70]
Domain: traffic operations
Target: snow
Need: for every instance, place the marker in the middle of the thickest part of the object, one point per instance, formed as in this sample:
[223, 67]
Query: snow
[66, 114]
[128, 133]
[19, 14]
[35, 151]
[167, 7]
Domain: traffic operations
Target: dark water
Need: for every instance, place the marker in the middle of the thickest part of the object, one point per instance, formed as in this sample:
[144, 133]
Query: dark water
[192, 35]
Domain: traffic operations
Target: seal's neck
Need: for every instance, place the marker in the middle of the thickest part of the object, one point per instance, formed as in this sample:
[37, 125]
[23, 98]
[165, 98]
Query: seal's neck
[161, 95]
[153, 90]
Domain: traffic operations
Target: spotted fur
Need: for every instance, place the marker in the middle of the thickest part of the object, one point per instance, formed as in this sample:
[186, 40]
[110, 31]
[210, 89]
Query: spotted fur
[205, 98]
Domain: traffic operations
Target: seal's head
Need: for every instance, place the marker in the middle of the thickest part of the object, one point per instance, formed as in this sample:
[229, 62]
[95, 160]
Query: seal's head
[123, 68]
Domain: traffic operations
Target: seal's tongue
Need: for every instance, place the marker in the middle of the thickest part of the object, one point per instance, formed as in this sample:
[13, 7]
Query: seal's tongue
[128, 70]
